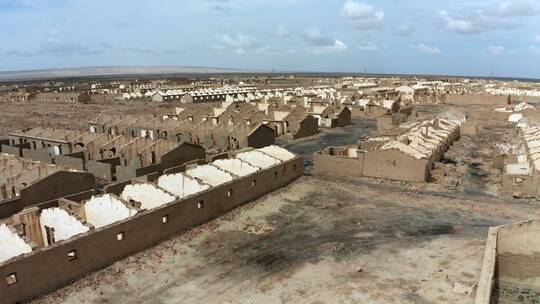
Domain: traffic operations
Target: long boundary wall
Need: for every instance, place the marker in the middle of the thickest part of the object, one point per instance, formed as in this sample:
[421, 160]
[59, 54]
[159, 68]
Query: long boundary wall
[389, 164]
[476, 99]
[98, 248]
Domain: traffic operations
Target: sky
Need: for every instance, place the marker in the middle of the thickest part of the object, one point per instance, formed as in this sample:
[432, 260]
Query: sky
[448, 37]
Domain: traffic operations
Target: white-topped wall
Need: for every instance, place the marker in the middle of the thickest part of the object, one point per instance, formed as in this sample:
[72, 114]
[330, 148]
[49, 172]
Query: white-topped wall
[258, 159]
[210, 175]
[237, 167]
[518, 169]
[11, 244]
[148, 195]
[181, 185]
[65, 226]
[106, 209]
[277, 152]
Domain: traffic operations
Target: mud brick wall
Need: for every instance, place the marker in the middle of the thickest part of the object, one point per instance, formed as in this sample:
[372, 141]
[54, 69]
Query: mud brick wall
[395, 165]
[518, 258]
[99, 248]
[326, 163]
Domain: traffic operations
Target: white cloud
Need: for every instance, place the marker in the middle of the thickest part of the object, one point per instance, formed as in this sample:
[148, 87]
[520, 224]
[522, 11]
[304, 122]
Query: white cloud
[496, 50]
[425, 48]
[405, 29]
[321, 43]
[461, 25]
[276, 50]
[368, 46]
[504, 15]
[239, 43]
[362, 16]
[517, 8]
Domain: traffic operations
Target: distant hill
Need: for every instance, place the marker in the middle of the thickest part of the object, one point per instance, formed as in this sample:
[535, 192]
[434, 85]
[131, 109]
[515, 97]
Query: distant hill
[110, 71]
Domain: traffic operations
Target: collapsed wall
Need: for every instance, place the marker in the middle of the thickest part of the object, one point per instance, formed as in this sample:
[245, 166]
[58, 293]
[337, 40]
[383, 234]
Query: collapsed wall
[77, 238]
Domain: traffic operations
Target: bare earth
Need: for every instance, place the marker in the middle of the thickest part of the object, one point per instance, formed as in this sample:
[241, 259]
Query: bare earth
[319, 240]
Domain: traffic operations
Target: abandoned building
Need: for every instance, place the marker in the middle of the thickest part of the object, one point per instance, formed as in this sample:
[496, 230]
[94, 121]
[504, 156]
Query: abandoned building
[406, 157]
[47, 97]
[330, 117]
[395, 117]
[46, 144]
[105, 155]
[25, 183]
[510, 269]
[360, 106]
[224, 128]
[18, 173]
[68, 237]
[520, 163]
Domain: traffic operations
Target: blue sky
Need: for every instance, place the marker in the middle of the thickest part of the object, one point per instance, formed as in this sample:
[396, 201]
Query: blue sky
[453, 37]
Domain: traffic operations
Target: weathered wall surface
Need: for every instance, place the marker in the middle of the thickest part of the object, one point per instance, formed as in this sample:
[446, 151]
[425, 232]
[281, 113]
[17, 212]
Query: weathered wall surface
[116, 188]
[261, 137]
[103, 169]
[10, 206]
[39, 155]
[3, 141]
[393, 164]
[530, 99]
[474, 99]
[147, 170]
[182, 154]
[518, 252]
[344, 118]
[125, 173]
[100, 248]
[487, 275]
[489, 115]
[325, 163]
[518, 184]
[13, 150]
[71, 161]
[518, 263]
[57, 185]
[307, 127]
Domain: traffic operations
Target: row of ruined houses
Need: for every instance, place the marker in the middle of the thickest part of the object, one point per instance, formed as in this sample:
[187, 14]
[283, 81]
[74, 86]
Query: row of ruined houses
[123, 147]
[45, 97]
[389, 113]
[409, 156]
[108, 157]
[65, 238]
[17, 173]
[228, 126]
